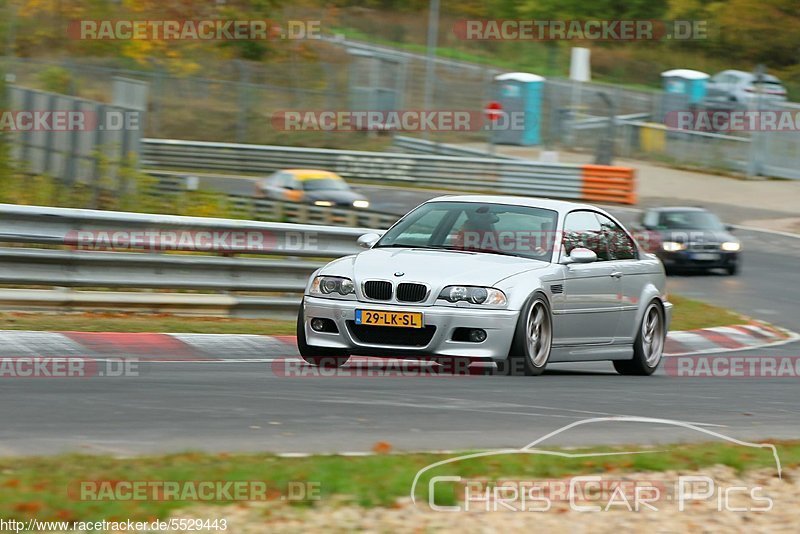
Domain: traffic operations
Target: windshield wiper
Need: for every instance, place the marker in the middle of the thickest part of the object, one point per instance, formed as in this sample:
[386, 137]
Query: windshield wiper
[450, 248]
[492, 251]
[424, 247]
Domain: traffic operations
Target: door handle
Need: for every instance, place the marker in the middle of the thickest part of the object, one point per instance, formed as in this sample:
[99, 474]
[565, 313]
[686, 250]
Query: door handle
[616, 274]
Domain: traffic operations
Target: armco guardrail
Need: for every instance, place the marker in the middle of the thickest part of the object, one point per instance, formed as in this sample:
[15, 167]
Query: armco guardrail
[62, 226]
[84, 252]
[449, 172]
[412, 145]
[67, 268]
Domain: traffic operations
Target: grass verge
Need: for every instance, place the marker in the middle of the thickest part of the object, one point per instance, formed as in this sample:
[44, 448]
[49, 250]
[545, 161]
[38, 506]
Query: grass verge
[48, 488]
[688, 314]
[122, 322]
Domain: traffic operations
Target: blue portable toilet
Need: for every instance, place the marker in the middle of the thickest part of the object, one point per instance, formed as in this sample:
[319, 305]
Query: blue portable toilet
[691, 83]
[520, 95]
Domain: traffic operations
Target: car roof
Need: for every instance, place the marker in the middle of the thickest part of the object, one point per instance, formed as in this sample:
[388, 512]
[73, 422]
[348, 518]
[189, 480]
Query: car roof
[533, 202]
[312, 174]
[750, 75]
[677, 208]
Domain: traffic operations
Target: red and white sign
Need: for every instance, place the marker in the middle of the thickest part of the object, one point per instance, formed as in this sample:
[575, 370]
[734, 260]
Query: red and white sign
[493, 111]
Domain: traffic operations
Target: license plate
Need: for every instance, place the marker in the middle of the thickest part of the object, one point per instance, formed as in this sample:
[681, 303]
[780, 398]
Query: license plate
[385, 318]
[706, 256]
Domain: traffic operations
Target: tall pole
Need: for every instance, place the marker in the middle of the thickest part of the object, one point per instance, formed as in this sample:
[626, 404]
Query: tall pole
[756, 137]
[12, 29]
[433, 38]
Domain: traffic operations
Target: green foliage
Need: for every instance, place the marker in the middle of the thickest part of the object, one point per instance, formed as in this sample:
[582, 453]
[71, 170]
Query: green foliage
[596, 10]
[40, 486]
[118, 187]
[743, 31]
[56, 80]
[741, 34]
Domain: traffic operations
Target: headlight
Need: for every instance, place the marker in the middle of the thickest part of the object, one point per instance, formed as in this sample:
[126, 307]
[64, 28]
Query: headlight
[486, 296]
[361, 203]
[731, 246]
[325, 203]
[673, 246]
[327, 285]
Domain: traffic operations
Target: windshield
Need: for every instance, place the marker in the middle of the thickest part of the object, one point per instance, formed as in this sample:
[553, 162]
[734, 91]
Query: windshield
[689, 220]
[325, 184]
[476, 227]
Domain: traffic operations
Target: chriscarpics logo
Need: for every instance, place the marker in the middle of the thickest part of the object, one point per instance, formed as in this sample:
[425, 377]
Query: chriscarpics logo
[464, 483]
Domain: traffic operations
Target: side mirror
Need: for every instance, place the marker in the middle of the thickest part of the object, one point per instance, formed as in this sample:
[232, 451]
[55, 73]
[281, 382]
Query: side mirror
[730, 228]
[368, 240]
[580, 255]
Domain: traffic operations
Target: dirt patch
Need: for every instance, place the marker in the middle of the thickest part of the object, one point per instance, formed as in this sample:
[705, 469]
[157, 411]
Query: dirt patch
[697, 516]
[789, 224]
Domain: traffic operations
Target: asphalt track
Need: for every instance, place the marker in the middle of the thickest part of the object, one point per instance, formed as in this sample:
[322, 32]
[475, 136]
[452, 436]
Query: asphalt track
[247, 406]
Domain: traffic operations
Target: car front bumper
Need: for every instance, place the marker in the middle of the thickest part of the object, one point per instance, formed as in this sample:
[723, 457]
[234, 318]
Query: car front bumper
[498, 324]
[698, 260]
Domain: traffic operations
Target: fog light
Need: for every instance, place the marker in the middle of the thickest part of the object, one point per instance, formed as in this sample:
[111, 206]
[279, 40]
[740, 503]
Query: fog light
[319, 324]
[476, 335]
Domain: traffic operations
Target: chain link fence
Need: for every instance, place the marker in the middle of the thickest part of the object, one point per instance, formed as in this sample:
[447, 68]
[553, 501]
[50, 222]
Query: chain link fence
[235, 101]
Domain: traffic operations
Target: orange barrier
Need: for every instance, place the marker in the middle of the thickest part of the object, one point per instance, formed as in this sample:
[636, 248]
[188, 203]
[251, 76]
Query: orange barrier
[603, 183]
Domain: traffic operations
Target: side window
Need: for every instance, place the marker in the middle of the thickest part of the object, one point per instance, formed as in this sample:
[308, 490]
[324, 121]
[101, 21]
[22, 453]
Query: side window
[273, 180]
[281, 179]
[582, 229]
[620, 246]
[650, 219]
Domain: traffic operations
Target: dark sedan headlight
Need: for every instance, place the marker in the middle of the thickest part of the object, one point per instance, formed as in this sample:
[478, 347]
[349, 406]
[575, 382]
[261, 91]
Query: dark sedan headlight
[485, 296]
[731, 246]
[332, 286]
[673, 246]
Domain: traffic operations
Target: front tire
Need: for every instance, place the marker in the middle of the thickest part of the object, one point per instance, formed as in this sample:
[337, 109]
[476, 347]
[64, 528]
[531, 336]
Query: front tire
[533, 340]
[317, 356]
[648, 347]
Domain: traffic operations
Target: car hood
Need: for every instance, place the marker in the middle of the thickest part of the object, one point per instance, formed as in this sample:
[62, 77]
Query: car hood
[696, 236]
[439, 268]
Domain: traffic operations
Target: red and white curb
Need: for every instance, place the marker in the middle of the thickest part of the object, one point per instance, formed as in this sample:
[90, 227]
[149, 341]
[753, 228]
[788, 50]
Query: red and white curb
[236, 347]
[754, 335]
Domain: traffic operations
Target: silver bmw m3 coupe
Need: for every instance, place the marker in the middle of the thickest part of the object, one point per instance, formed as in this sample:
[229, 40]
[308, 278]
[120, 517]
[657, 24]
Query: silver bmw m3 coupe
[521, 282]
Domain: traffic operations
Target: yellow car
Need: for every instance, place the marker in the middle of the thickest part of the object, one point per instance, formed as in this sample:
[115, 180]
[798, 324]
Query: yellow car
[310, 186]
